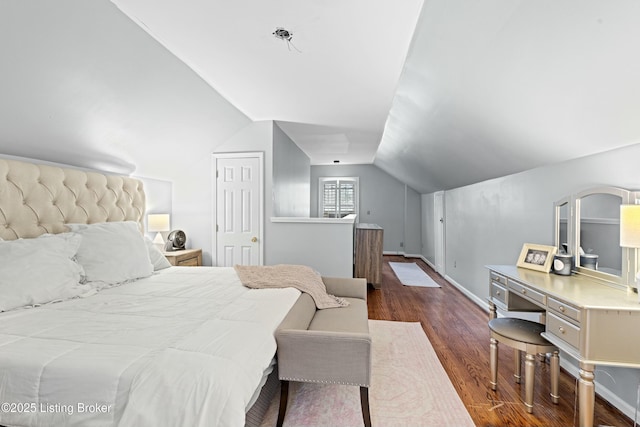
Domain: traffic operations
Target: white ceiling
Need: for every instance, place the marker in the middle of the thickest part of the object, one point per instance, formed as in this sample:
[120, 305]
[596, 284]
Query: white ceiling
[488, 88]
[331, 89]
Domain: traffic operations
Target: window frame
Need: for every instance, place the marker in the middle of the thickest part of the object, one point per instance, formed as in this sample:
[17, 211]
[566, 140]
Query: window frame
[321, 190]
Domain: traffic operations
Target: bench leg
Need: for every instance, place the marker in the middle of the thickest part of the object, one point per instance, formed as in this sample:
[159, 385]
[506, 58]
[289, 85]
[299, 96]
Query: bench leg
[529, 375]
[493, 357]
[284, 397]
[517, 360]
[364, 402]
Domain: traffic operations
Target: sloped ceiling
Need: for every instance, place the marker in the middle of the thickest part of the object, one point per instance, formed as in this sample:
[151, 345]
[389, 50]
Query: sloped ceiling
[83, 85]
[439, 95]
[494, 87]
[488, 87]
[330, 87]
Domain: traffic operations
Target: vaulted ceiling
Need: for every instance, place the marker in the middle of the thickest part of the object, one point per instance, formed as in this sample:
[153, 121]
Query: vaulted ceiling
[330, 86]
[439, 95]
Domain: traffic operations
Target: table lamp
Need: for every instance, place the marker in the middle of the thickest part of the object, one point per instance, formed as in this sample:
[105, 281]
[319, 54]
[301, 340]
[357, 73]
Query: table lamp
[630, 232]
[158, 223]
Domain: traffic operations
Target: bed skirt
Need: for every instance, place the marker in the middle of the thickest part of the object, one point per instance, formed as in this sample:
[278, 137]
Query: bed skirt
[259, 408]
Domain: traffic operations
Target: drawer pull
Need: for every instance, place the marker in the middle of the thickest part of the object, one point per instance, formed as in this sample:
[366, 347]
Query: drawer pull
[561, 329]
[497, 292]
[561, 308]
[524, 291]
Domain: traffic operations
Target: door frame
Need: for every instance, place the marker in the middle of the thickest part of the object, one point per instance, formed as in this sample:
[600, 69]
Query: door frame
[214, 199]
[439, 232]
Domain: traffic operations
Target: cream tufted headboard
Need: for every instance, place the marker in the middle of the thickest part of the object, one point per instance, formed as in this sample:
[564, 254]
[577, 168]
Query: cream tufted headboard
[38, 199]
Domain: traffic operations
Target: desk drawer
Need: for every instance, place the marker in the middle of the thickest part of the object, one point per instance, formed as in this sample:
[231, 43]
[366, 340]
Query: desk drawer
[495, 277]
[565, 309]
[564, 330]
[498, 293]
[527, 292]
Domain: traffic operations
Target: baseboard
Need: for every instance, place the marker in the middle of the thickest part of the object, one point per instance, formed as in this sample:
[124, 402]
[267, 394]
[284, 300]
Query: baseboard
[479, 301]
[412, 255]
[392, 253]
[429, 263]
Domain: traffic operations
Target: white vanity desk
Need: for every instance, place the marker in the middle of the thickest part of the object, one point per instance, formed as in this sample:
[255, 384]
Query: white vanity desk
[590, 320]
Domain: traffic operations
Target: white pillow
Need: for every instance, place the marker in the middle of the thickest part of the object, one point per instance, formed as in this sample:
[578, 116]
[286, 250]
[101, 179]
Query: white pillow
[158, 260]
[38, 271]
[112, 252]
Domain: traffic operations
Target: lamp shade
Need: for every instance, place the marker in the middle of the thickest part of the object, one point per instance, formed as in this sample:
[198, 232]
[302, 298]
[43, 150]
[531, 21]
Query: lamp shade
[630, 226]
[158, 222]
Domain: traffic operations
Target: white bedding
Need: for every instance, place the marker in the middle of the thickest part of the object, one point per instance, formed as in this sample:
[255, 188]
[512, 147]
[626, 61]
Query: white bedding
[184, 347]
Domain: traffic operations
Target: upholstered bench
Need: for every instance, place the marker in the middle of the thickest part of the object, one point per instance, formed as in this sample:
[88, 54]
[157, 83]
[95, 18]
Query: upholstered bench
[331, 346]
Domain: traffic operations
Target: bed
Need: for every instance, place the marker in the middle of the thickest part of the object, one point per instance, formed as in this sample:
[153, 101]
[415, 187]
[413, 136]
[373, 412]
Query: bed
[96, 329]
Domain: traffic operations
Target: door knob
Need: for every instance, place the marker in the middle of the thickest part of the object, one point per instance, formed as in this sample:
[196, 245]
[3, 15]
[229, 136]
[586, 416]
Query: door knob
[254, 239]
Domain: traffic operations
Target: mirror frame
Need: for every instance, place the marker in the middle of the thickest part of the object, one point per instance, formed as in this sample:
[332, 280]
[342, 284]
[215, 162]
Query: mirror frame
[557, 206]
[629, 261]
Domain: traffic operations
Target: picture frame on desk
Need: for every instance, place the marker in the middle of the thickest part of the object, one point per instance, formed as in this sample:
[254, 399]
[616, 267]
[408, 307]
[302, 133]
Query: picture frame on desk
[536, 257]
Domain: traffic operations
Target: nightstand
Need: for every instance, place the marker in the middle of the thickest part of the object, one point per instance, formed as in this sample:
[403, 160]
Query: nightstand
[185, 258]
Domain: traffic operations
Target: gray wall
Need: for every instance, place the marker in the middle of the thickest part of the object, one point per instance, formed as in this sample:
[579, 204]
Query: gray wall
[286, 170]
[412, 222]
[257, 137]
[83, 85]
[487, 223]
[291, 172]
[383, 200]
[159, 200]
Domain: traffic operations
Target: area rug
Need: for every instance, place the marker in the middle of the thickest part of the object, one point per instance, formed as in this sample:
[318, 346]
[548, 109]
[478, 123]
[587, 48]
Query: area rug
[409, 387]
[410, 274]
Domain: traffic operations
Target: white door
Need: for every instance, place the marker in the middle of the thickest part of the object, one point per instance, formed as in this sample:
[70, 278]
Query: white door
[438, 226]
[238, 212]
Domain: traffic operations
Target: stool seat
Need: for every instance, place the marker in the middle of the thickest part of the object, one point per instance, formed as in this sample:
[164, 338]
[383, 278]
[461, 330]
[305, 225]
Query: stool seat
[519, 330]
[524, 337]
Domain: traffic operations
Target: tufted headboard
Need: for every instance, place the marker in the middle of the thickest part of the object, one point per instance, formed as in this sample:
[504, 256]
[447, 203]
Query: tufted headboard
[37, 199]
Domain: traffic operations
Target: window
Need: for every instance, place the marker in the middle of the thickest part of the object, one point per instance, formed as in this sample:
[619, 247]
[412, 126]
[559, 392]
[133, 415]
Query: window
[338, 197]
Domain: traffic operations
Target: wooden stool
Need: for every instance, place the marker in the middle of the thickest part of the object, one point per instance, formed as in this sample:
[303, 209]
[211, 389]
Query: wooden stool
[523, 335]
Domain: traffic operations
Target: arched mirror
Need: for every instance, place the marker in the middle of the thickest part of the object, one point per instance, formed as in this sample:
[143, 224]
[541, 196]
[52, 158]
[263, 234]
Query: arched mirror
[597, 234]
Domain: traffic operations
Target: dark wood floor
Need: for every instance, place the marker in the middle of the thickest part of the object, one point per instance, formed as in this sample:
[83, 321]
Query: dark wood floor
[457, 329]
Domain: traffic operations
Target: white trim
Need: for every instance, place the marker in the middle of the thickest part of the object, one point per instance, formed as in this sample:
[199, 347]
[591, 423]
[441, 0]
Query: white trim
[392, 253]
[479, 301]
[349, 219]
[321, 179]
[214, 185]
[439, 231]
[412, 255]
[429, 263]
[606, 221]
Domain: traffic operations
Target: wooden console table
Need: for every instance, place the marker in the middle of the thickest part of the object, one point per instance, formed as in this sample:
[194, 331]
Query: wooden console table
[590, 320]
